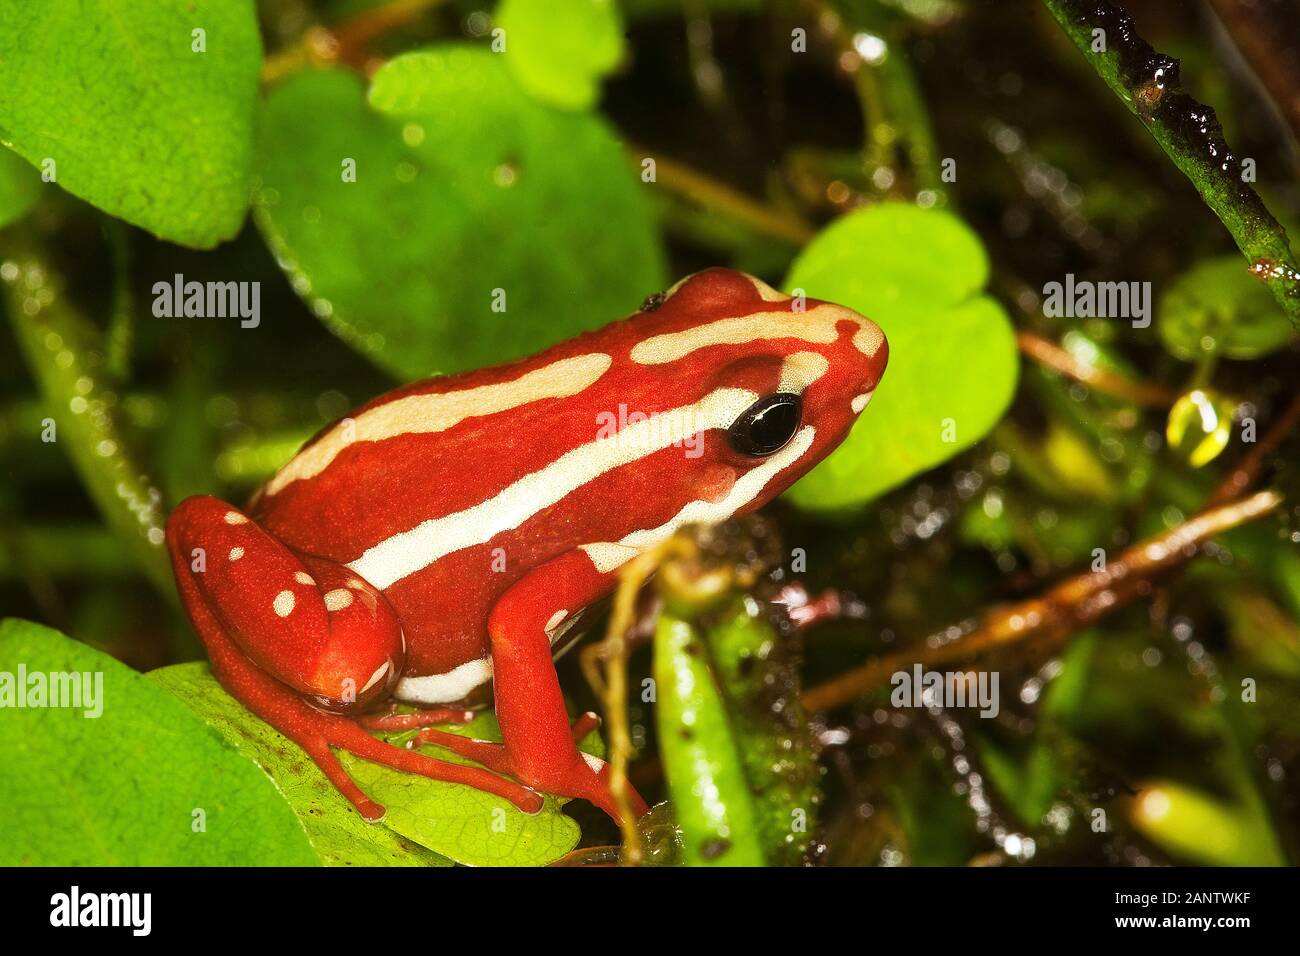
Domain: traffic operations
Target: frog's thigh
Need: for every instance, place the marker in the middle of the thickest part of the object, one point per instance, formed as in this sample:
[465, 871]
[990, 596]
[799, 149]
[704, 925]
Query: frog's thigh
[309, 622]
[529, 704]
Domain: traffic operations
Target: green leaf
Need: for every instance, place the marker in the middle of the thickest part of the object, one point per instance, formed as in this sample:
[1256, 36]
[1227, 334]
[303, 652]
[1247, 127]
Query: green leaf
[486, 189]
[952, 351]
[558, 51]
[1218, 307]
[135, 121]
[20, 187]
[428, 822]
[125, 788]
[337, 832]
[706, 775]
[465, 824]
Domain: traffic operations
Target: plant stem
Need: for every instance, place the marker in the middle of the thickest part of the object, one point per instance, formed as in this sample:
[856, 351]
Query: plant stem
[1189, 133]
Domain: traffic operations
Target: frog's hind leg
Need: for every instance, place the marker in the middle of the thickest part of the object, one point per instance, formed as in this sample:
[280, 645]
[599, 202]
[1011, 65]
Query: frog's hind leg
[278, 625]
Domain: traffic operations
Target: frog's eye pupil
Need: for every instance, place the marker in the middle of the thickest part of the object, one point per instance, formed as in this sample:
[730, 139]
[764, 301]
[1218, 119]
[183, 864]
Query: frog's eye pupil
[766, 426]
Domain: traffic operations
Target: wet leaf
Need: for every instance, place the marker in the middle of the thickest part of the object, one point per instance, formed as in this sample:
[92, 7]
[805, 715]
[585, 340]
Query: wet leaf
[558, 51]
[146, 783]
[519, 225]
[337, 832]
[952, 353]
[170, 145]
[1218, 308]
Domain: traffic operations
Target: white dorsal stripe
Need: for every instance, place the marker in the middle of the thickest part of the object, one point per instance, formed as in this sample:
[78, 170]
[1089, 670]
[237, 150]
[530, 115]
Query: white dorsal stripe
[816, 325]
[422, 414]
[800, 370]
[608, 555]
[410, 551]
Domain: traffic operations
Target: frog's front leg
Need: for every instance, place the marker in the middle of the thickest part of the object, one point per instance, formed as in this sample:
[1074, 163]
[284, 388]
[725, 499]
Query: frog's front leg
[283, 628]
[539, 746]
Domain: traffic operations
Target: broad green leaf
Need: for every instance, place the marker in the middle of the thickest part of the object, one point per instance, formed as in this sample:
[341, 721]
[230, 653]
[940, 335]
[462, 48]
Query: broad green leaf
[559, 50]
[482, 225]
[1217, 307]
[337, 832]
[134, 119]
[145, 783]
[706, 774]
[952, 351]
[20, 187]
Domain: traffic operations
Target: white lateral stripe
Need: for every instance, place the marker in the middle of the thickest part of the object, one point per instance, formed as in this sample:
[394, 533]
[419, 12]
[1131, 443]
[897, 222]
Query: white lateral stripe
[608, 555]
[409, 551]
[422, 414]
[456, 684]
[816, 325]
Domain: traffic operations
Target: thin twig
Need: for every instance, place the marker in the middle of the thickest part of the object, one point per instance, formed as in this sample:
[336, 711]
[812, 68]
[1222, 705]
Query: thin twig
[712, 194]
[1074, 603]
[1051, 355]
[1248, 470]
[348, 42]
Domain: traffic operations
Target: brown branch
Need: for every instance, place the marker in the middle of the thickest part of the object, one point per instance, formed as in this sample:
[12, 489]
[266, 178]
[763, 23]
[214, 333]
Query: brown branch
[711, 194]
[348, 42]
[1051, 355]
[1076, 602]
[1245, 473]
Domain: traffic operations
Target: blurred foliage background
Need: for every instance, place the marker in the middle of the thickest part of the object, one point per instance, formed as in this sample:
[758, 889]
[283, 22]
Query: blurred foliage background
[932, 163]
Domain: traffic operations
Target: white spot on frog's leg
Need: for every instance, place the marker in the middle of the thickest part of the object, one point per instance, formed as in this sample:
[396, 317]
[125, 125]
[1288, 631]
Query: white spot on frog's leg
[283, 603]
[234, 517]
[357, 583]
[860, 402]
[445, 688]
[592, 761]
[376, 676]
[302, 577]
[338, 599]
[236, 554]
[555, 620]
[608, 555]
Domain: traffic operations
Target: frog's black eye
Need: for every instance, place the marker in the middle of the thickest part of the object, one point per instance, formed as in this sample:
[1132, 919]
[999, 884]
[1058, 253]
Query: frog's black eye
[653, 302]
[767, 425]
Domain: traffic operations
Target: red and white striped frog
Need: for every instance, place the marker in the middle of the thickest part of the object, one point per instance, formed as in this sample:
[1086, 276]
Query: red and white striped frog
[445, 535]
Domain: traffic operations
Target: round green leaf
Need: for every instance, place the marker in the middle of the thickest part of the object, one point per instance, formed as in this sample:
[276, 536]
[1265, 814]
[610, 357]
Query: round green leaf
[20, 187]
[481, 226]
[1217, 307]
[135, 120]
[337, 832]
[144, 783]
[952, 352]
[558, 51]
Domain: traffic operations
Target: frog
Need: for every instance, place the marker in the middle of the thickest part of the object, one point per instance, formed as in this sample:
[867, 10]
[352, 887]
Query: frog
[440, 542]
